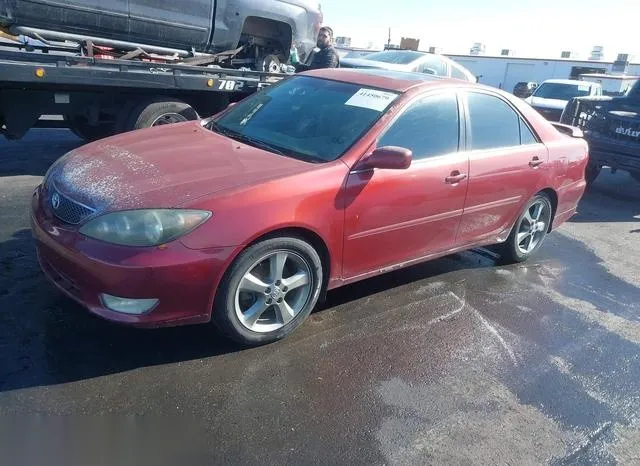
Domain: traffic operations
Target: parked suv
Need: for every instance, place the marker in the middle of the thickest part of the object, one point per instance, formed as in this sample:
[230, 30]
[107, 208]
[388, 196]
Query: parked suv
[265, 27]
[551, 97]
[611, 126]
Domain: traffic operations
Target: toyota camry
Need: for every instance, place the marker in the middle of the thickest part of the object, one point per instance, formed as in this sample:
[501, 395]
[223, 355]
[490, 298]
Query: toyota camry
[247, 218]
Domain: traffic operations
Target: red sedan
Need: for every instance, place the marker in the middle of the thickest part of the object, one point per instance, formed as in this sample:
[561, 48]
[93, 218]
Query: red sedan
[324, 179]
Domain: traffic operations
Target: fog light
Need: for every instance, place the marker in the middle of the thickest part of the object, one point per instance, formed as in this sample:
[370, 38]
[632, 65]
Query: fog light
[128, 305]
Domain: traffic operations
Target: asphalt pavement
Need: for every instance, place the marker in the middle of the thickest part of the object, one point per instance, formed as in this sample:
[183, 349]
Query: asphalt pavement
[458, 361]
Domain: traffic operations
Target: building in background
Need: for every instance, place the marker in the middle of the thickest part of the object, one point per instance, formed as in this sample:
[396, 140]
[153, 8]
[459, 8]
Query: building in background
[506, 71]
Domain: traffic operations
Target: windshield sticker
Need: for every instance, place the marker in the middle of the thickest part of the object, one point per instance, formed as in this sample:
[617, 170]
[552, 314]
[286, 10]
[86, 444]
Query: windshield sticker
[371, 99]
[583, 87]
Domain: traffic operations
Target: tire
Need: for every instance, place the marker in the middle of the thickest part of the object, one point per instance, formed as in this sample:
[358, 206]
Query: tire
[281, 306]
[81, 128]
[268, 63]
[635, 176]
[158, 112]
[516, 248]
[592, 173]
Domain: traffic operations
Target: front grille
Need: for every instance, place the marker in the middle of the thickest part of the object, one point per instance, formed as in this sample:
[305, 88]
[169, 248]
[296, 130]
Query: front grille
[67, 209]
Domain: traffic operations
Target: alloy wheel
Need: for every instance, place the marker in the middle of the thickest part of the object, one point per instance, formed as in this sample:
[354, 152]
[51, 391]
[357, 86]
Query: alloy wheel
[273, 291]
[533, 226]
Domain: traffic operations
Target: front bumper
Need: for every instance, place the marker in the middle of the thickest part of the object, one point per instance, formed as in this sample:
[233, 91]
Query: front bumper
[182, 279]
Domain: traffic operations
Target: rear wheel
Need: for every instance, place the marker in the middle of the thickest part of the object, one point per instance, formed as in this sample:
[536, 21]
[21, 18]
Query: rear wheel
[159, 112]
[268, 292]
[529, 231]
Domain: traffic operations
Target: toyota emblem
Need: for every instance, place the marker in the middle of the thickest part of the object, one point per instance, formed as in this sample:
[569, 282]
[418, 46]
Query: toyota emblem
[55, 200]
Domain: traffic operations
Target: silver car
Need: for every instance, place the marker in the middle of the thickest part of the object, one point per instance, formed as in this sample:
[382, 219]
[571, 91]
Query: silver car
[411, 61]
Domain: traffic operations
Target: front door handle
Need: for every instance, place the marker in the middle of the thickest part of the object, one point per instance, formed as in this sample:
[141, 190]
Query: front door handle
[535, 162]
[455, 177]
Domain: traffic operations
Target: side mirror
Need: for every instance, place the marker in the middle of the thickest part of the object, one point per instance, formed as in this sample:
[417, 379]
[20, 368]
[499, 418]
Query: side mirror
[388, 157]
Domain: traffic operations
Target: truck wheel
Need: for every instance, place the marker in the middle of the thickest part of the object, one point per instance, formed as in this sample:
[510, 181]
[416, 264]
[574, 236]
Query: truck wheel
[81, 128]
[160, 112]
[592, 173]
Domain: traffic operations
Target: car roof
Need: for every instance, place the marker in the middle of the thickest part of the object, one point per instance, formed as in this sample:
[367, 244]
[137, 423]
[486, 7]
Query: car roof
[398, 81]
[567, 81]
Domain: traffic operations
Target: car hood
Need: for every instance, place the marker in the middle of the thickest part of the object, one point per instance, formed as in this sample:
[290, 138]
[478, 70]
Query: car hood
[541, 102]
[163, 167]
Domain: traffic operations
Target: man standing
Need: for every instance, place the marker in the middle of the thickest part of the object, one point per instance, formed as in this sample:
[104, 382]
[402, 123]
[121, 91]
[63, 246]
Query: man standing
[326, 57]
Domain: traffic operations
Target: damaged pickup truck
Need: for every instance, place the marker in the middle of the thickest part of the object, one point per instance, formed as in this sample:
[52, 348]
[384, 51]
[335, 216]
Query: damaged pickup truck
[611, 126]
[265, 29]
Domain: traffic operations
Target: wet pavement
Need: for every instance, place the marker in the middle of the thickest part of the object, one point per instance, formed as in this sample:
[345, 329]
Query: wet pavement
[461, 360]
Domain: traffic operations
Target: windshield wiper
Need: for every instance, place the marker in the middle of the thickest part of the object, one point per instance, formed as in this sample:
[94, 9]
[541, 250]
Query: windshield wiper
[244, 138]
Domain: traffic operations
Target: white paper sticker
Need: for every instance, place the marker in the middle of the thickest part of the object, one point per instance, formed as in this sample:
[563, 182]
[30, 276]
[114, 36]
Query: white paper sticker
[371, 99]
[583, 87]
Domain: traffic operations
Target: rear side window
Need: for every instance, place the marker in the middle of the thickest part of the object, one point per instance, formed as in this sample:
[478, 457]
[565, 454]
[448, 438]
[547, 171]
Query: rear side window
[493, 123]
[429, 127]
[526, 136]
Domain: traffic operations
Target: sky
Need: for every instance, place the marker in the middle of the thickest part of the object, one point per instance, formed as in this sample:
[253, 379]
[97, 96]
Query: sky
[534, 28]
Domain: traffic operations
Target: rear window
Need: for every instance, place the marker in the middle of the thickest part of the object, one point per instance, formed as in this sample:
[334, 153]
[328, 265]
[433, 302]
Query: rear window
[398, 57]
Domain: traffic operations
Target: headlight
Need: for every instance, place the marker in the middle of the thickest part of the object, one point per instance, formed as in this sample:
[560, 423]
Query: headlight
[148, 227]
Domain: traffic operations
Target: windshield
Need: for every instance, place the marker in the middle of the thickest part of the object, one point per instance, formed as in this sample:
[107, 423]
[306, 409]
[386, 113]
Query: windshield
[561, 91]
[398, 57]
[311, 119]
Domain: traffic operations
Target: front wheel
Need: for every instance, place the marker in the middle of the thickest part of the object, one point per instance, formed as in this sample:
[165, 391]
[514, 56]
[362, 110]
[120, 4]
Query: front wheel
[268, 292]
[529, 231]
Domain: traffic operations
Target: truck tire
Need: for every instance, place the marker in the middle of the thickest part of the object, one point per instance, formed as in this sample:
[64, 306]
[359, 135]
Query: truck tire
[159, 112]
[592, 172]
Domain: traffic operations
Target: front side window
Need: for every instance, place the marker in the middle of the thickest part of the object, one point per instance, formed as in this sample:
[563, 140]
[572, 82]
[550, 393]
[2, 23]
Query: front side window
[312, 119]
[494, 124]
[429, 127]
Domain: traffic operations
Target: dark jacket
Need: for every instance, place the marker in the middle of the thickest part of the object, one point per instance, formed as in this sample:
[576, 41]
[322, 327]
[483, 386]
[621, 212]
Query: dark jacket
[324, 58]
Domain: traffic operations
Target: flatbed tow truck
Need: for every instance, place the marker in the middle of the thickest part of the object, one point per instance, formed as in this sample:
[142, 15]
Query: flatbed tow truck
[99, 95]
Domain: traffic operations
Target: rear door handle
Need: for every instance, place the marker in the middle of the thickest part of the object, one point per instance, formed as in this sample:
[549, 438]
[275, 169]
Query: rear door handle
[455, 177]
[535, 162]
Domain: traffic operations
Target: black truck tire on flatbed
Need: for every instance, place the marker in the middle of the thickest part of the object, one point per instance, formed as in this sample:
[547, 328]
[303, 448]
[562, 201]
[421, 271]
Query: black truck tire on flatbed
[159, 111]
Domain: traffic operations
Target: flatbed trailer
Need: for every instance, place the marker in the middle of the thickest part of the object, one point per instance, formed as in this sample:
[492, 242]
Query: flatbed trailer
[99, 97]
